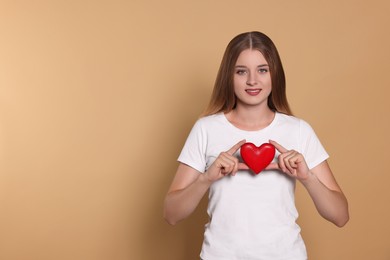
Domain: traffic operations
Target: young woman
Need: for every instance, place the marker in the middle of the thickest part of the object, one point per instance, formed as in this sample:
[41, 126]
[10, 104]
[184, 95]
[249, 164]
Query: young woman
[252, 216]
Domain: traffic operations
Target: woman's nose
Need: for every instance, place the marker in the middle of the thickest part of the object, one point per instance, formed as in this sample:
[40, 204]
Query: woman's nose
[251, 80]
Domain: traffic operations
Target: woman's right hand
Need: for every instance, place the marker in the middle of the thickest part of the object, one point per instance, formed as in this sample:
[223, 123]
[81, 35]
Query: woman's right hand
[226, 164]
[190, 185]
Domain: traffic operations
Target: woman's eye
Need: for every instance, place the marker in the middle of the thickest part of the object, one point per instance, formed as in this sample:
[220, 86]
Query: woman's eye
[240, 72]
[263, 70]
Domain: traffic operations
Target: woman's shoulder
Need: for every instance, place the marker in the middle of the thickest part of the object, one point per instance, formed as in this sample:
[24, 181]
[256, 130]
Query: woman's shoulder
[288, 118]
[210, 123]
[210, 119]
[292, 120]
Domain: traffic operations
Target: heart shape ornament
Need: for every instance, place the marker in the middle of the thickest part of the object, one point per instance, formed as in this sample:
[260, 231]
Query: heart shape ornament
[257, 158]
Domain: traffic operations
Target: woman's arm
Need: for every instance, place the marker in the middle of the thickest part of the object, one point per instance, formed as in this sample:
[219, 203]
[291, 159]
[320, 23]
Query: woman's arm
[189, 185]
[327, 195]
[319, 182]
[187, 189]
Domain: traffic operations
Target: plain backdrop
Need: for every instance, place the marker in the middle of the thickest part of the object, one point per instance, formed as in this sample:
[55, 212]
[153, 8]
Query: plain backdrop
[98, 97]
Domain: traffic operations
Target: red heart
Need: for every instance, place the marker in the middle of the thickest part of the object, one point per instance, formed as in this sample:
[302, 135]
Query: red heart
[257, 158]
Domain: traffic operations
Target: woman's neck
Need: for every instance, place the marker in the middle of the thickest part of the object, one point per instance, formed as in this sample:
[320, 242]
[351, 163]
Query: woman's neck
[251, 118]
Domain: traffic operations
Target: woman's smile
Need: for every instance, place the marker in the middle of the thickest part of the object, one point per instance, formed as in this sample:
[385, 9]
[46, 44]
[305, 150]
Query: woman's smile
[253, 91]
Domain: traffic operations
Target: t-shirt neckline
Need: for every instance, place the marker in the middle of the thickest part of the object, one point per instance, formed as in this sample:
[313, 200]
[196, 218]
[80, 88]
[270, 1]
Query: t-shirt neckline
[233, 127]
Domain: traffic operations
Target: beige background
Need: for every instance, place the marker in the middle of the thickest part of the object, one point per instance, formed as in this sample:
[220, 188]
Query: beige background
[97, 98]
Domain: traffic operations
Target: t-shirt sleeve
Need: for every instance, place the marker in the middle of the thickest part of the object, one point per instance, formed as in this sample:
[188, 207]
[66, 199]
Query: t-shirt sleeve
[193, 153]
[311, 147]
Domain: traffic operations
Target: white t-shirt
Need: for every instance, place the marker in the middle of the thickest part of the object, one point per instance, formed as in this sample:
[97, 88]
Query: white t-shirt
[251, 216]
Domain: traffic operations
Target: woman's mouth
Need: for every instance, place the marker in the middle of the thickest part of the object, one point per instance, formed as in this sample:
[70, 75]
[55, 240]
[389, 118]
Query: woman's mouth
[253, 92]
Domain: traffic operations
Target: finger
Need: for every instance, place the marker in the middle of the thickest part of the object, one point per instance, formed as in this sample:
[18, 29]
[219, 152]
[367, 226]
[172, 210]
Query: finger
[278, 147]
[235, 169]
[235, 147]
[290, 168]
[282, 162]
[272, 166]
[296, 160]
[242, 166]
[238, 167]
[235, 166]
[228, 163]
[290, 161]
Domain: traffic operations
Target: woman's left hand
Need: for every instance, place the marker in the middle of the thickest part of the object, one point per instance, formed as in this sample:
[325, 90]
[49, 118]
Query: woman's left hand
[290, 162]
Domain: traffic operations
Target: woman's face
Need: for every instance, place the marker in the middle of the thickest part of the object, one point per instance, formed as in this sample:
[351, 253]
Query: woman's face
[252, 79]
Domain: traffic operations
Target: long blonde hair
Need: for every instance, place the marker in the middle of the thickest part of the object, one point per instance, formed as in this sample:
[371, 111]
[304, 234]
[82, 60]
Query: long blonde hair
[223, 98]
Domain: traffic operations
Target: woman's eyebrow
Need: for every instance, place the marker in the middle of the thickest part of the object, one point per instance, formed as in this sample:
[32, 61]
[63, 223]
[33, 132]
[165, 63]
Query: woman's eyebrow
[261, 65]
